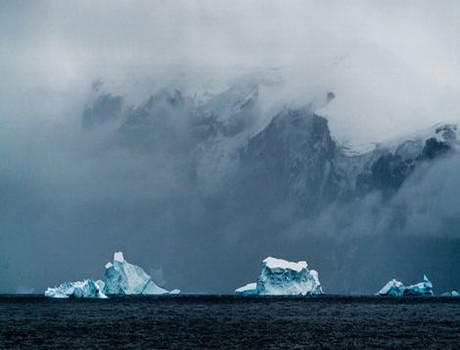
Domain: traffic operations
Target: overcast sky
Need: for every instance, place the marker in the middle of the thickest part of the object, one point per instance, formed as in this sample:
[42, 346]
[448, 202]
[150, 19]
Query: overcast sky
[68, 38]
[397, 61]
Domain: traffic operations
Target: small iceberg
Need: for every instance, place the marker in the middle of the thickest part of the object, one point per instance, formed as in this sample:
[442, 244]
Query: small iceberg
[453, 293]
[281, 277]
[78, 289]
[122, 278]
[395, 288]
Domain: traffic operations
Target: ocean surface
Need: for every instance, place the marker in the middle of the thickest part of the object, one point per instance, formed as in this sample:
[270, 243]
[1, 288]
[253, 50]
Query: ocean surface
[229, 322]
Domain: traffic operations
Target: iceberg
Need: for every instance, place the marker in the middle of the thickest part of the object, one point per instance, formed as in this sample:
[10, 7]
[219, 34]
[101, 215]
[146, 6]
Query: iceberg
[453, 293]
[395, 288]
[124, 278]
[78, 289]
[281, 277]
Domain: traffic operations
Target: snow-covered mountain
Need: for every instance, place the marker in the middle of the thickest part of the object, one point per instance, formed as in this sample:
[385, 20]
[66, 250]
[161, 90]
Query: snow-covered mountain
[293, 160]
[390, 163]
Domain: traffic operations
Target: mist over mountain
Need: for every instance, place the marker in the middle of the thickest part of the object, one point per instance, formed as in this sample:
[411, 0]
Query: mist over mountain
[200, 143]
[203, 188]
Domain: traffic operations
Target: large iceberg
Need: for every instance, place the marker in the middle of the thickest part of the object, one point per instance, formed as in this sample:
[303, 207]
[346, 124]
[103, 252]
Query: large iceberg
[124, 278]
[396, 288]
[281, 277]
[78, 289]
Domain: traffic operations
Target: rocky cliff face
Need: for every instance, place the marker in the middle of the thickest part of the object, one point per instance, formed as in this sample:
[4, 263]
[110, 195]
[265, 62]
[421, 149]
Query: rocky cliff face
[293, 160]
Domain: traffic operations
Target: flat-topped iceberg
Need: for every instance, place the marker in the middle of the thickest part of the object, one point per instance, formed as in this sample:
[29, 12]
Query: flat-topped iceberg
[124, 278]
[78, 289]
[281, 277]
[396, 288]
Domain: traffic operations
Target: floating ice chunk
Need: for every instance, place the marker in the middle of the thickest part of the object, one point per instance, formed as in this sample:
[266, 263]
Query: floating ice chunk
[396, 288]
[78, 289]
[248, 289]
[281, 277]
[124, 278]
[453, 293]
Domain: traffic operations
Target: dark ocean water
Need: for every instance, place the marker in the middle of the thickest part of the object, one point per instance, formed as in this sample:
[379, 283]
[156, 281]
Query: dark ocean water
[186, 322]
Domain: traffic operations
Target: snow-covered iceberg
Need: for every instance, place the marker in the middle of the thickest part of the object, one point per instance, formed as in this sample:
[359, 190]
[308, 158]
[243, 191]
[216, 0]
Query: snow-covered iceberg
[78, 289]
[124, 278]
[396, 288]
[281, 277]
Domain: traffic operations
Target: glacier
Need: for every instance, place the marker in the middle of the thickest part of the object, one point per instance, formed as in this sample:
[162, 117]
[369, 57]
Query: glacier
[395, 288]
[282, 277]
[79, 289]
[122, 278]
